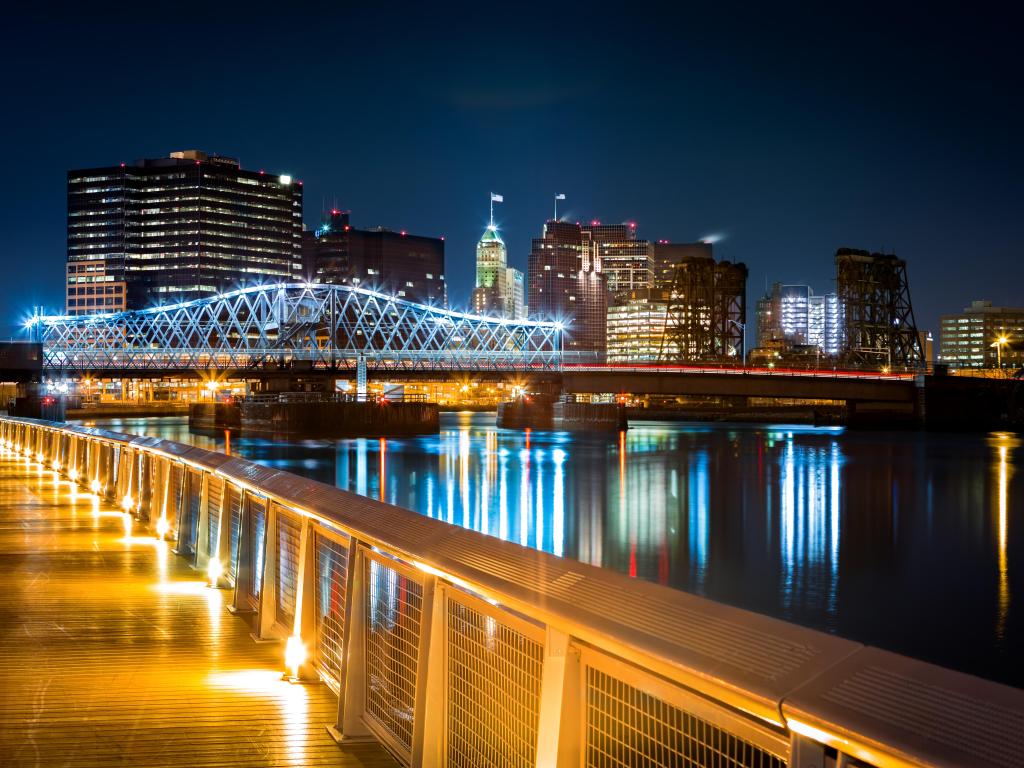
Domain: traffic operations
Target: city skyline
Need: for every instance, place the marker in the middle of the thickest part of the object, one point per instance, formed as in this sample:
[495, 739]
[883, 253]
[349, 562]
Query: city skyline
[914, 155]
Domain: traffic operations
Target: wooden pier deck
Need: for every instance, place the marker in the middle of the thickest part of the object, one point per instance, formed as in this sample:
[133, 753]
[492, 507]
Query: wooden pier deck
[114, 652]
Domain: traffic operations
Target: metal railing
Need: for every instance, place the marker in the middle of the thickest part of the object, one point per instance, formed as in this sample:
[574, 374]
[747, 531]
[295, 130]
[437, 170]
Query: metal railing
[455, 648]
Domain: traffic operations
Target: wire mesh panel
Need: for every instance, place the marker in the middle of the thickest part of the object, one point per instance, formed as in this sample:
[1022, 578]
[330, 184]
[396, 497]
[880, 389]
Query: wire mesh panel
[82, 461]
[62, 450]
[494, 674]
[214, 497]
[122, 488]
[289, 529]
[330, 585]
[175, 492]
[92, 464]
[254, 555]
[233, 504]
[627, 727]
[393, 612]
[188, 526]
[108, 460]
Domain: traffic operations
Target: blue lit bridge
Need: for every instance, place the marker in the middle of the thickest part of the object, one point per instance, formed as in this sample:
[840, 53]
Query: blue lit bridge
[299, 326]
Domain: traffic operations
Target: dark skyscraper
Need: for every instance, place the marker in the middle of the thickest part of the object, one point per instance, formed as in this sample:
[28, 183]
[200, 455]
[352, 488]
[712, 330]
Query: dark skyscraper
[407, 266]
[566, 284]
[177, 228]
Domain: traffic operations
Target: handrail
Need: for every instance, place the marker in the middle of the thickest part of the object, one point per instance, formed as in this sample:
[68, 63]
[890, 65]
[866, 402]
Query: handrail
[445, 641]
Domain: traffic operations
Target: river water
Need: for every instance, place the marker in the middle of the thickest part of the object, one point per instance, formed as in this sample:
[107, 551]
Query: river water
[910, 541]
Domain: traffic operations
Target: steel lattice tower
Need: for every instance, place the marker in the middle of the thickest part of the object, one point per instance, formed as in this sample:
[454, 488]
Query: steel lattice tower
[880, 327]
[706, 313]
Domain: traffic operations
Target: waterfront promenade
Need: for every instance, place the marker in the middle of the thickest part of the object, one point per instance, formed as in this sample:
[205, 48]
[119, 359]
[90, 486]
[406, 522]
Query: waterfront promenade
[113, 651]
[447, 646]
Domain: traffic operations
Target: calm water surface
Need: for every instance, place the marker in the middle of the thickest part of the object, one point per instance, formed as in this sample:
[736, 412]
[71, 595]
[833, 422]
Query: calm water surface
[910, 541]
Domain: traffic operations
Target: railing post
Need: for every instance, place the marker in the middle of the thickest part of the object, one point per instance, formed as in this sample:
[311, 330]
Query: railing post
[561, 705]
[352, 682]
[268, 589]
[805, 752]
[429, 709]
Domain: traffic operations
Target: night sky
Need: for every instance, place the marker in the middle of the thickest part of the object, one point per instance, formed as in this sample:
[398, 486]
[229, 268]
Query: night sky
[788, 131]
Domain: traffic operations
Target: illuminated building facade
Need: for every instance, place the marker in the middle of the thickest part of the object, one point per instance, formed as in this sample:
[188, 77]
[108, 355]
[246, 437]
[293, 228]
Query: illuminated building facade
[636, 327]
[566, 284]
[795, 313]
[516, 282]
[795, 316]
[626, 263]
[90, 290]
[397, 263]
[500, 289]
[182, 227]
[971, 339]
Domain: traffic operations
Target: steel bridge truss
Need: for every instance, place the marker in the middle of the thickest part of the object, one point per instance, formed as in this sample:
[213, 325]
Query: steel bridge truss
[319, 327]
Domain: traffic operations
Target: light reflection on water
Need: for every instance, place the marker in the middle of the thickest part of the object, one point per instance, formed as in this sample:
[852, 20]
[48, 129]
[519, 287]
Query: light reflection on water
[903, 540]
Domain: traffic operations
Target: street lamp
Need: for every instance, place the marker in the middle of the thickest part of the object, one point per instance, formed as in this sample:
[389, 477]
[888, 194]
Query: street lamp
[999, 344]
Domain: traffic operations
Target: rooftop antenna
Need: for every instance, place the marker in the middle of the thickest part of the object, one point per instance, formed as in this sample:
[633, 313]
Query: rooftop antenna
[494, 199]
[559, 196]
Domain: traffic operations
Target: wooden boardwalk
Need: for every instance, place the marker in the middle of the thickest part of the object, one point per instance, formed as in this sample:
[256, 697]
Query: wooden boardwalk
[114, 652]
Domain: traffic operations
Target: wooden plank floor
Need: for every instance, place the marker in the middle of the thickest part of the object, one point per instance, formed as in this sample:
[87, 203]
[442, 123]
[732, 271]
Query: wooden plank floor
[114, 652]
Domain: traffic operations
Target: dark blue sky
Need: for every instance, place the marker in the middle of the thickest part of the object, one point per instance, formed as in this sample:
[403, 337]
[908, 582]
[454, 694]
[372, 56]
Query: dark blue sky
[791, 131]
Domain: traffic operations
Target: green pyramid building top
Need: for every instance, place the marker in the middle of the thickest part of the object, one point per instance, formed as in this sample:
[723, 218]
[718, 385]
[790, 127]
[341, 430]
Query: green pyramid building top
[491, 235]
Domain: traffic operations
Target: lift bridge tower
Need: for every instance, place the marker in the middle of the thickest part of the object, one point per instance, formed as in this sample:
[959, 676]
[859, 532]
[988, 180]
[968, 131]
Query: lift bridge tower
[880, 327]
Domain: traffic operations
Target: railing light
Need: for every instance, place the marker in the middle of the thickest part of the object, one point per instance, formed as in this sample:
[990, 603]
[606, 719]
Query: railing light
[73, 474]
[162, 527]
[95, 486]
[39, 456]
[294, 655]
[214, 570]
[127, 525]
[126, 503]
[814, 733]
[55, 465]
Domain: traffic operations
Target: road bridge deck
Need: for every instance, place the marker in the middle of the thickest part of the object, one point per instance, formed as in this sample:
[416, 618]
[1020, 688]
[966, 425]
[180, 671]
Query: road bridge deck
[114, 652]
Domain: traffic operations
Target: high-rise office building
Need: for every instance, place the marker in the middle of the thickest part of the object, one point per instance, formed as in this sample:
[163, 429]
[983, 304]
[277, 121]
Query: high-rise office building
[516, 281]
[408, 266]
[499, 288]
[793, 314]
[636, 327]
[490, 292]
[565, 283]
[626, 263]
[983, 336]
[186, 226]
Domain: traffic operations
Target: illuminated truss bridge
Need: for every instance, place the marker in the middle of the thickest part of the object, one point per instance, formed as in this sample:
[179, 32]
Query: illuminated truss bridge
[295, 326]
